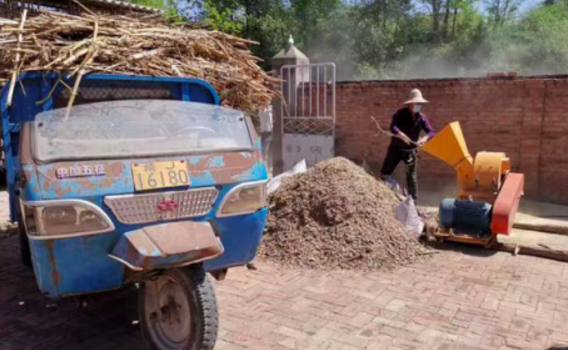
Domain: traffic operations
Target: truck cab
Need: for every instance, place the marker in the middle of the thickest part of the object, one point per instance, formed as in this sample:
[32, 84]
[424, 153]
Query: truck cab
[142, 180]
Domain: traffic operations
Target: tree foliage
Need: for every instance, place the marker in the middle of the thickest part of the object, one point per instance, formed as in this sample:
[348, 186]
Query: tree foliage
[168, 6]
[382, 39]
[539, 41]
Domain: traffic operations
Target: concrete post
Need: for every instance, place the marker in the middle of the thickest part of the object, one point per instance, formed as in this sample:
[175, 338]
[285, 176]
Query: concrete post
[289, 56]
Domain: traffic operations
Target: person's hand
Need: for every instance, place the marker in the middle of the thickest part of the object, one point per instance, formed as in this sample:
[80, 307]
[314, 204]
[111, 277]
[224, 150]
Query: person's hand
[422, 141]
[404, 138]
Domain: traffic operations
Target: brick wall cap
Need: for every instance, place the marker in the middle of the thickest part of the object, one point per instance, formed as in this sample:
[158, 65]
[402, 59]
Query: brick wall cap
[434, 81]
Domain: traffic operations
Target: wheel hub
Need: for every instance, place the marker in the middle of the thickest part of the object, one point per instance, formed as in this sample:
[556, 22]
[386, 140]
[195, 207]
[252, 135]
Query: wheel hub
[169, 314]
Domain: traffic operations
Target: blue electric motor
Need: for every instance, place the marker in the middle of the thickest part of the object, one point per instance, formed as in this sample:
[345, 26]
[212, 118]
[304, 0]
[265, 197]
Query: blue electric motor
[468, 217]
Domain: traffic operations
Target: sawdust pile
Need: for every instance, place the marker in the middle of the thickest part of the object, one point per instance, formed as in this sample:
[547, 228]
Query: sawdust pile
[336, 216]
[143, 46]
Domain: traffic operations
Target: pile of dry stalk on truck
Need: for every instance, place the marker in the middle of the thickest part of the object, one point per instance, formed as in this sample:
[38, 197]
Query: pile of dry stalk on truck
[143, 46]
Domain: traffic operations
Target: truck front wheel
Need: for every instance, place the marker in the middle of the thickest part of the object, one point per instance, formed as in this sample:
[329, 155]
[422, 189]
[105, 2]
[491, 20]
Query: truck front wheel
[178, 310]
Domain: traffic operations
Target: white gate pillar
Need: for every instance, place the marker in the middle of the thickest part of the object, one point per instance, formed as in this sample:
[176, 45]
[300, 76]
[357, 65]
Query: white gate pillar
[289, 56]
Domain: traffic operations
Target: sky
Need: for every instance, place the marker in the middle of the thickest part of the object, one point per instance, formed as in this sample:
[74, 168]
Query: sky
[527, 4]
[531, 2]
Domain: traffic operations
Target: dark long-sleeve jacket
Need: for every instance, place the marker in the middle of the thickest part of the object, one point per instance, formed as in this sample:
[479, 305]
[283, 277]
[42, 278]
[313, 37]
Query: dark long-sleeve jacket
[411, 124]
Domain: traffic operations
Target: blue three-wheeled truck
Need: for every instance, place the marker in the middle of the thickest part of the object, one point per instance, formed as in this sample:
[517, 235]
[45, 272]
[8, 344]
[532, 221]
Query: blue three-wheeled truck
[142, 181]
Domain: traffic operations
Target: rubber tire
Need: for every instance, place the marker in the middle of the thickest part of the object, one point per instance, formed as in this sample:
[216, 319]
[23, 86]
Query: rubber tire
[201, 295]
[25, 252]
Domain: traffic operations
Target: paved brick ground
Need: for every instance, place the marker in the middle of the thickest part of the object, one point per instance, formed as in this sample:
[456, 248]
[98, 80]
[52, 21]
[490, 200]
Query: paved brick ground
[4, 208]
[457, 300]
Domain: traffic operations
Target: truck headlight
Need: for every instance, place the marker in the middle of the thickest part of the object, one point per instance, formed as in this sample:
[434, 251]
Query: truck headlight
[244, 199]
[65, 217]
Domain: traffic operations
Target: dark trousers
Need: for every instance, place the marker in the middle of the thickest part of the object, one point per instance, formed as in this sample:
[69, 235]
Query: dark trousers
[396, 155]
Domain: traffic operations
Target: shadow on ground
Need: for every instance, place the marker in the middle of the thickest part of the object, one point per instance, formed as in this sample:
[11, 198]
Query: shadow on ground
[31, 321]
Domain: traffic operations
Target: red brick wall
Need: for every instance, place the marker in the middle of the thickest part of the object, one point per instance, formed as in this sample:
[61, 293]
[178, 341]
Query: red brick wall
[527, 118]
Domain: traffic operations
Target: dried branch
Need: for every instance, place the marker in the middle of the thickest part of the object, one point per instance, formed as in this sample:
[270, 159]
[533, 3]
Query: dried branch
[17, 64]
[390, 134]
[74, 46]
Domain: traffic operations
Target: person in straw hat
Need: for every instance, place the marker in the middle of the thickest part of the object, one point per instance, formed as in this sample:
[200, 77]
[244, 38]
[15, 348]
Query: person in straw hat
[407, 124]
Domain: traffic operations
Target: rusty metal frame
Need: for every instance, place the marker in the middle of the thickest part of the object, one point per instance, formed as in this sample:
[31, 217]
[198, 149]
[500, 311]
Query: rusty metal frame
[237, 189]
[24, 146]
[126, 263]
[151, 243]
[140, 269]
[449, 235]
[68, 202]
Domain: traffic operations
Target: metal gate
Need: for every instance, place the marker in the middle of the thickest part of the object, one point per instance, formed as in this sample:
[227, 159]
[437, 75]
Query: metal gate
[308, 113]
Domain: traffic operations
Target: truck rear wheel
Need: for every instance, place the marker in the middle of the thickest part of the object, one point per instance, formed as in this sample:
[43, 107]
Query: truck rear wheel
[178, 310]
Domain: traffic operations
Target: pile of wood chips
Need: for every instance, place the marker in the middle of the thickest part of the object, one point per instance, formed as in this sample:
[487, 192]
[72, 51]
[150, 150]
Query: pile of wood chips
[336, 216]
[143, 46]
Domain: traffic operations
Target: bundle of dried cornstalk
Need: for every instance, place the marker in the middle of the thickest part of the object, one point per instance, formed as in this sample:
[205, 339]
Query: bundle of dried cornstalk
[121, 45]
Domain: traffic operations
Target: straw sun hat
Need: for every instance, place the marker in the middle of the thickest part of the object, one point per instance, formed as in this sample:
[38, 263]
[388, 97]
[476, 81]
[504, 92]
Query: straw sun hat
[415, 97]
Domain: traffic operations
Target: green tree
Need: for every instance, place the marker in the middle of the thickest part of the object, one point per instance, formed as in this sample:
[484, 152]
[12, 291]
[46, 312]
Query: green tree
[265, 21]
[500, 11]
[222, 19]
[168, 6]
[376, 39]
[537, 44]
[270, 29]
[312, 21]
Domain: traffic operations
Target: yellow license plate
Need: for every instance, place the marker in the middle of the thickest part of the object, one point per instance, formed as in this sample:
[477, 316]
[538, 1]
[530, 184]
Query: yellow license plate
[155, 175]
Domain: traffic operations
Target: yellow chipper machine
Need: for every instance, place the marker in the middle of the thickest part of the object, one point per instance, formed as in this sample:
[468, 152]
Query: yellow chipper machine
[488, 193]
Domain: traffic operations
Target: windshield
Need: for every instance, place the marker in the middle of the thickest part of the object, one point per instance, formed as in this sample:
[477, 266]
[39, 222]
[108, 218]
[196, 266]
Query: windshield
[122, 129]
